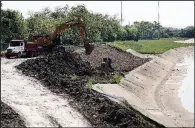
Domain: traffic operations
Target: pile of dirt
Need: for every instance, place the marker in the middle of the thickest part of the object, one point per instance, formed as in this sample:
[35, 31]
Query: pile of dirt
[121, 61]
[9, 118]
[67, 73]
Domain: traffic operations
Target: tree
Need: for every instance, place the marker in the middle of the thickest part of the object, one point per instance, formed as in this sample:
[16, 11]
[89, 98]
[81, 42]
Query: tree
[189, 32]
[13, 25]
[99, 27]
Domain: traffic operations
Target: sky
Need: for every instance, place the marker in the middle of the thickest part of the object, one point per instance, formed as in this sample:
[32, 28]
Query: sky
[176, 14]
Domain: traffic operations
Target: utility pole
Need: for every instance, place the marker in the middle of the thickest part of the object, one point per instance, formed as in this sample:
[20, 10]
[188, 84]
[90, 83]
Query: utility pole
[121, 12]
[158, 22]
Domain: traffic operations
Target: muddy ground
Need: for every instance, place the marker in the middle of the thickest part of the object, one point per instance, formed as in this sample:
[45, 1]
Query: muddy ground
[9, 118]
[69, 74]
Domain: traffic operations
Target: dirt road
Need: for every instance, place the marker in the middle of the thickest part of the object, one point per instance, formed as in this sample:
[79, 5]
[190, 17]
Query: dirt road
[36, 105]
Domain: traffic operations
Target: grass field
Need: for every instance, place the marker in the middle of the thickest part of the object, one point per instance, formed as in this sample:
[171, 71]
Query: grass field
[149, 46]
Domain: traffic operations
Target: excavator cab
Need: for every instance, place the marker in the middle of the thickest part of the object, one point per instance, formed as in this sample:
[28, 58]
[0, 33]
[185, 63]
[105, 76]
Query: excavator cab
[88, 46]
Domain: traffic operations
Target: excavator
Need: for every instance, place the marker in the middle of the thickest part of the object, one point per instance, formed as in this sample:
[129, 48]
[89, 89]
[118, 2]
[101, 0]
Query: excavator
[53, 41]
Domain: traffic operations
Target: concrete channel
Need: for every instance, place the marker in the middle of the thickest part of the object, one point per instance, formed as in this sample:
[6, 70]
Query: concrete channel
[153, 88]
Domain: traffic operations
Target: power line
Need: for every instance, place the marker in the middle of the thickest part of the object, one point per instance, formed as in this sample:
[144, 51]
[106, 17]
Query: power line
[158, 12]
[121, 12]
[158, 22]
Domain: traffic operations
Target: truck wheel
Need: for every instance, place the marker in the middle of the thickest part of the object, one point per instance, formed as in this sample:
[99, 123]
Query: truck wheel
[19, 55]
[29, 54]
[8, 57]
[35, 54]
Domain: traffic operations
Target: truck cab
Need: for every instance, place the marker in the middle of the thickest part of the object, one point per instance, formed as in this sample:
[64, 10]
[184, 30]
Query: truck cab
[16, 48]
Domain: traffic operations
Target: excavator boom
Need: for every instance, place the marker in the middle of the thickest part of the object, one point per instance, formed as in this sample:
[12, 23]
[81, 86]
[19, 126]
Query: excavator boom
[48, 40]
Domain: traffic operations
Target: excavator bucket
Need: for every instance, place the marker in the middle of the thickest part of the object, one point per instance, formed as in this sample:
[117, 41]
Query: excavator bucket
[88, 48]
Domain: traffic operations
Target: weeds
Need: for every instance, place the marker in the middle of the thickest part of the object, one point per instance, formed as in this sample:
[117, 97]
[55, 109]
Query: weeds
[117, 78]
[90, 83]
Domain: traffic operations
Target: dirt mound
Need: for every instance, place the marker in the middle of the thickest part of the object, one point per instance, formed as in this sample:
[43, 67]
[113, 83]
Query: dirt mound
[69, 74]
[9, 118]
[121, 61]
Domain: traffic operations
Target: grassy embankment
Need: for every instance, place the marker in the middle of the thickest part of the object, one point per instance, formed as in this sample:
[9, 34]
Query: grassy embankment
[150, 46]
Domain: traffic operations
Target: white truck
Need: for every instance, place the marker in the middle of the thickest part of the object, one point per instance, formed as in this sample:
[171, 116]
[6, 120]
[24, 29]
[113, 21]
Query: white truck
[19, 48]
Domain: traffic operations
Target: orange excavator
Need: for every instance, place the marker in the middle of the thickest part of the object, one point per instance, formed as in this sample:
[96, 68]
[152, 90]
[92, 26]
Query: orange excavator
[54, 40]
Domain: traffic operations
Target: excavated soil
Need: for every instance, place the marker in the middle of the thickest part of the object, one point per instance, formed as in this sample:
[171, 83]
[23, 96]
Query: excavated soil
[69, 74]
[9, 118]
[121, 61]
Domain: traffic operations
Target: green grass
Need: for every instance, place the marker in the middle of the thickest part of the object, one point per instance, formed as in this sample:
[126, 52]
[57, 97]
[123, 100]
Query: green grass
[117, 78]
[90, 83]
[150, 46]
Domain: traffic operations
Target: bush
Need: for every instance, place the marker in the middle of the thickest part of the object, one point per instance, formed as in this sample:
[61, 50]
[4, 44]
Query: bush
[117, 78]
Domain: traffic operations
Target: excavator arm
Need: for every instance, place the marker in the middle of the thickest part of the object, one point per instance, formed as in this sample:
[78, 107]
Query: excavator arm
[48, 41]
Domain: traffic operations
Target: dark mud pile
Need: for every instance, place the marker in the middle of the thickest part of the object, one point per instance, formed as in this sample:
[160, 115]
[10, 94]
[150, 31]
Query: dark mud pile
[68, 74]
[121, 61]
[9, 118]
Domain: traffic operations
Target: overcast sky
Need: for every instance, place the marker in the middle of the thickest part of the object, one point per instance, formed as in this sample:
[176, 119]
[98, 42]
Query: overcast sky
[178, 14]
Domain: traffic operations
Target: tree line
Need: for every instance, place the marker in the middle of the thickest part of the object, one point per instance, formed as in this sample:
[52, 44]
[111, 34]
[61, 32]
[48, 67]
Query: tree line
[99, 27]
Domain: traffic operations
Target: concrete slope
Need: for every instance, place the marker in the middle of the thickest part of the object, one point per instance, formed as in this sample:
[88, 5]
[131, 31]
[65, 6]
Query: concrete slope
[185, 41]
[139, 54]
[142, 88]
